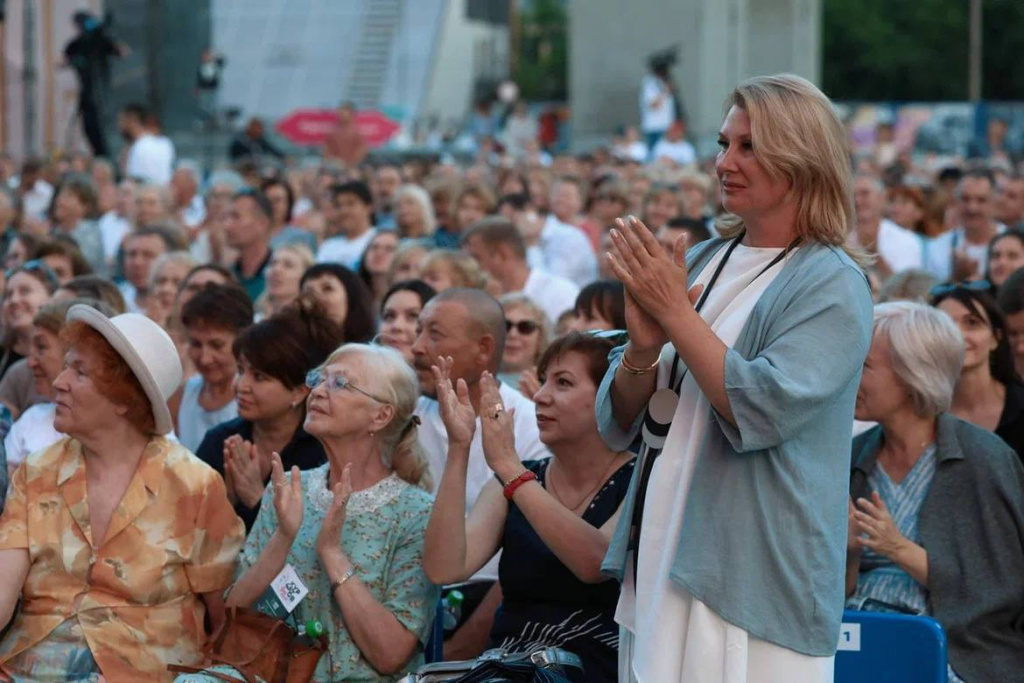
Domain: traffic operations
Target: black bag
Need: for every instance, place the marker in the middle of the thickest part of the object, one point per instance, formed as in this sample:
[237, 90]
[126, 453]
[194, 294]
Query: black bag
[550, 665]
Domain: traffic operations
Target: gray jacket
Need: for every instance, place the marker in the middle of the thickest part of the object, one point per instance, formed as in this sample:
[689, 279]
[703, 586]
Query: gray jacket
[763, 541]
[972, 526]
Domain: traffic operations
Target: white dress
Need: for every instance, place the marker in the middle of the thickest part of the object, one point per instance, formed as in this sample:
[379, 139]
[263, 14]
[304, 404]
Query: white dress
[671, 635]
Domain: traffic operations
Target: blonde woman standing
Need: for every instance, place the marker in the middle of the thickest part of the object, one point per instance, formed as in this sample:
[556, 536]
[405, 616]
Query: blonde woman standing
[749, 350]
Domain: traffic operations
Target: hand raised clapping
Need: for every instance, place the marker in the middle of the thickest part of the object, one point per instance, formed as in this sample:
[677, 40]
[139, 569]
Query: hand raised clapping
[288, 500]
[456, 410]
[248, 469]
[328, 541]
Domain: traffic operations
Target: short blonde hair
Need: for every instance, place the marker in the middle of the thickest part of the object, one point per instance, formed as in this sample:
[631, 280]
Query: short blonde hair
[798, 136]
[172, 257]
[422, 198]
[520, 300]
[391, 378]
[466, 271]
[927, 352]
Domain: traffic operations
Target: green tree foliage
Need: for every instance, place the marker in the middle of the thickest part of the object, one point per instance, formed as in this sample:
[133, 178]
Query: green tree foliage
[543, 67]
[917, 49]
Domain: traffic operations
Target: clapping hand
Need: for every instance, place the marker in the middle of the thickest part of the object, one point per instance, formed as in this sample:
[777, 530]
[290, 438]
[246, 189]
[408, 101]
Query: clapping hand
[875, 527]
[456, 410]
[288, 501]
[328, 541]
[248, 469]
[529, 383]
[497, 428]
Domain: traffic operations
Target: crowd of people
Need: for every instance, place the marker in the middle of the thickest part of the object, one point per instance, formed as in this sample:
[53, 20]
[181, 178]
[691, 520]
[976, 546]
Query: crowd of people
[404, 379]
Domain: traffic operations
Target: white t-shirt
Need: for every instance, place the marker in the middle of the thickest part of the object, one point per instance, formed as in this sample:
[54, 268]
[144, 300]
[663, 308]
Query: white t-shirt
[656, 118]
[554, 294]
[434, 440]
[681, 152]
[899, 247]
[940, 252]
[113, 228]
[194, 420]
[564, 250]
[32, 432]
[343, 250]
[151, 158]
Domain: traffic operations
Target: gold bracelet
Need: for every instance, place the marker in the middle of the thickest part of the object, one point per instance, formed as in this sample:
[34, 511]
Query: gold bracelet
[634, 370]
[344, 577]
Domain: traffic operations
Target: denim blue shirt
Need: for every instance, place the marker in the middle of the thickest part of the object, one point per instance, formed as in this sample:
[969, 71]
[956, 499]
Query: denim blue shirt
[763, 541]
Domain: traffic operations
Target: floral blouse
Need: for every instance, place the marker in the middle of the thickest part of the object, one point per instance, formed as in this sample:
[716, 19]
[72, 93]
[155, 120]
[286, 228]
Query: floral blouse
[135, 593]
[383, 536]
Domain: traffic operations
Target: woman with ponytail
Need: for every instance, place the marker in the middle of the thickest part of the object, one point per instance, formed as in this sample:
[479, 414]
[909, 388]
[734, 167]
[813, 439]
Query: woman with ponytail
[353, 528]
[270, 390]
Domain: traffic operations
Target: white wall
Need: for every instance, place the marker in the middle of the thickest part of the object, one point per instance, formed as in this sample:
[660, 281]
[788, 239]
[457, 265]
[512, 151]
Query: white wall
[456, 62]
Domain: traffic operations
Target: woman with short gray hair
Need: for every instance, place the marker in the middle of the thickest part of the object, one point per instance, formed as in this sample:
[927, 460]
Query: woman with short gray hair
[905, 553]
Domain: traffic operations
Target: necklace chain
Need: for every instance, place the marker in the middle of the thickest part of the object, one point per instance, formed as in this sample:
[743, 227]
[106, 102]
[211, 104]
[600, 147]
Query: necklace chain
[588, 494]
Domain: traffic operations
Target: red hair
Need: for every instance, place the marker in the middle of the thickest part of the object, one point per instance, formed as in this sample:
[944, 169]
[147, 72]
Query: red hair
[112, 377]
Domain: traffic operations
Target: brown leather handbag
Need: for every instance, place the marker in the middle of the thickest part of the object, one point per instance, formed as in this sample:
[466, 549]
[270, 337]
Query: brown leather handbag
[260, 648]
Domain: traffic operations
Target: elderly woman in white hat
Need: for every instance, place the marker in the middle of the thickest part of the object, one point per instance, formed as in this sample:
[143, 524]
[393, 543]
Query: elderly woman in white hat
[117, 539]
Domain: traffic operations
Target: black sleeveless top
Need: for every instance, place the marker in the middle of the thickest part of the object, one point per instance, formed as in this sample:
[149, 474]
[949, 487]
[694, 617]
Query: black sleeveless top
[544, 604]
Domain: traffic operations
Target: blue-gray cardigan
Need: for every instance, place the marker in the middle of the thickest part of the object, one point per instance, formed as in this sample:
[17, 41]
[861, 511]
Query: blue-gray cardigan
[972, 526]
[763, 541]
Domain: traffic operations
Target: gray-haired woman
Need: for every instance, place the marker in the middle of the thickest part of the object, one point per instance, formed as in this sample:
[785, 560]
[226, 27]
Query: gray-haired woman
[939, 517]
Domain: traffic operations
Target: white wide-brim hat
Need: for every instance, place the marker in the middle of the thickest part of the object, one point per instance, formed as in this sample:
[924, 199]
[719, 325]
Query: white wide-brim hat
[147, 349]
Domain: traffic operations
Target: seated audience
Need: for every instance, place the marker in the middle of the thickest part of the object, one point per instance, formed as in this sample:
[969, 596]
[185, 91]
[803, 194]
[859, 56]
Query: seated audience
[33, 430]
[211, 320]
[601, 306]
[353, 528]
[414, 213]
[273, 358]
[1005, 255]
[28, 287]
[469, 326]
[912, 284]
[64, 258]
[165, 278]
[287, 265]
[375, 263]
[989, 392]
[446, 268]
[86, 572]
[408, 262]
[527, 331]
[556, 524]
[353, 204]
[343, 298]
[400, 315]
[916, 471]
[694, 230]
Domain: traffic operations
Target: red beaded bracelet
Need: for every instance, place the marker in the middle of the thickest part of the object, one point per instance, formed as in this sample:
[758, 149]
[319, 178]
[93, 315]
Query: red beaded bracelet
[513, 484]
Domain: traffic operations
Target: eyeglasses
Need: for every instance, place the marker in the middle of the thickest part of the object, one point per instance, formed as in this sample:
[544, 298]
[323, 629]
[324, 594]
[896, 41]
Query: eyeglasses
[35, 266]
[335, 383]
[973, 286]
[523, 327]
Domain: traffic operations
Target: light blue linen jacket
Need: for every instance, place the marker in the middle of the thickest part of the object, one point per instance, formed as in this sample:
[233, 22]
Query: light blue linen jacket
[763, 541]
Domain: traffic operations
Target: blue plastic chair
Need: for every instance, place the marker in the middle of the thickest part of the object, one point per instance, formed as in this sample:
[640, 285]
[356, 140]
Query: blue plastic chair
[435, 646]
[890, 648]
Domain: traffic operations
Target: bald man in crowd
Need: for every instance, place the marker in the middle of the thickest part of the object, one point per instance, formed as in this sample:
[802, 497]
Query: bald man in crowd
[469, 326]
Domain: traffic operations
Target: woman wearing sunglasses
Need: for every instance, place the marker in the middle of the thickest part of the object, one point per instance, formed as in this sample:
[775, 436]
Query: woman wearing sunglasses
[28, 287]
[527, 332]
[353, 528]
[270, 390]
[989, 392]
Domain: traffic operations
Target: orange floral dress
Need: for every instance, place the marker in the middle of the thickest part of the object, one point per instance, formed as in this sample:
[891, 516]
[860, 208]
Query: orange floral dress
[136, 594]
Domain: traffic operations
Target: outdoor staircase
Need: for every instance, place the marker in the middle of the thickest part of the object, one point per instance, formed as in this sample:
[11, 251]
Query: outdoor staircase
[369, 71]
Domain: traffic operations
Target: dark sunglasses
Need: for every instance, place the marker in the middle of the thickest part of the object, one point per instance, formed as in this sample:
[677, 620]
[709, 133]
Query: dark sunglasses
[523, 326]
[35, 266]
[973, 286]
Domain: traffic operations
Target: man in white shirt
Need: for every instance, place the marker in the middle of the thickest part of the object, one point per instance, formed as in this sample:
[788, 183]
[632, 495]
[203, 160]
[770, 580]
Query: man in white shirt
[150, 157]
[657, 103]
[1010, 201]
[962, 253]
[498, 247]
[117, 223]
[36, 194]
[469, 326]
[188, 205]
[562, 248]
[353, 206]
[897, 248]
[674, 147]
